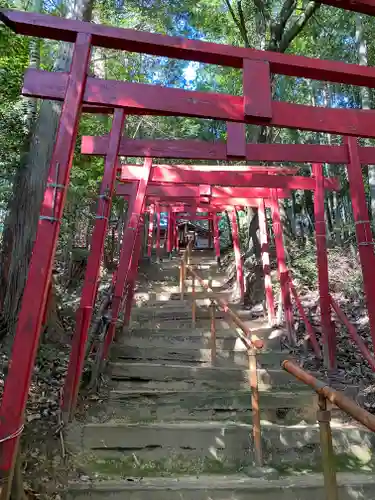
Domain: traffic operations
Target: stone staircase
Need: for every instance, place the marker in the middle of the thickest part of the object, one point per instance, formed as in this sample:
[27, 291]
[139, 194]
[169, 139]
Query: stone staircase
[174, 427]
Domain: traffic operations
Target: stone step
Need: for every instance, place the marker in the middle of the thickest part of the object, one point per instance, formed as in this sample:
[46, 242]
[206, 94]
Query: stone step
[171, 293]
[144, 314]
[175, 330]
[200, 357]
[164, 304]
[169, 405]
[224, 487]
[202, 329]
[224, 340]
[191, 377]
[258, 326]
[296, 447]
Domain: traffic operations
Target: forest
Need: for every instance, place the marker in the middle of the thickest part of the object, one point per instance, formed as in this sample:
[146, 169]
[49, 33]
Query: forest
[27, 131]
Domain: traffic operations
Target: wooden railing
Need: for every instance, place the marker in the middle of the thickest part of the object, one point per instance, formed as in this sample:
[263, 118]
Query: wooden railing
[250, 340]
[327, 394]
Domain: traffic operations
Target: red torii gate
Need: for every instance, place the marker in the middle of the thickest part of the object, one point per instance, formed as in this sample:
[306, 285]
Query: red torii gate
[178, 174]
[78, 92]
[215, 201]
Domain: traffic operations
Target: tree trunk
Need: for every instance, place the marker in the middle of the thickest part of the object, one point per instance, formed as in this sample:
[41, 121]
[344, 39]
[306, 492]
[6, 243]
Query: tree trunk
[229, 228]
[29, 185]
[29, 108]
[365, 97]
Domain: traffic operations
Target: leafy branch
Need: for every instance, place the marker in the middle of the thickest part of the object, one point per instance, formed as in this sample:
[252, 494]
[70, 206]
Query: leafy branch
[297, 26]
[239, 21]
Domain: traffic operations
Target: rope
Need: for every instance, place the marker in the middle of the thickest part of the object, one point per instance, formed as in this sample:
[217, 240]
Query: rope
[14, 435]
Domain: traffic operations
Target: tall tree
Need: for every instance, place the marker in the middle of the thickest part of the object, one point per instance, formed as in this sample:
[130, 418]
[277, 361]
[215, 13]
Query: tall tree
[30, 179]
[271, 26]
[365, 96]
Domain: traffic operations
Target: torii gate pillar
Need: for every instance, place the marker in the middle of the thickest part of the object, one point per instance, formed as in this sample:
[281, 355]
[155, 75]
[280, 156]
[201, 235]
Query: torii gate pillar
[237, 255]
[264, 246]
[150, 238]
[281, 265]
[215, 223]
[328, 328]
[157, 232]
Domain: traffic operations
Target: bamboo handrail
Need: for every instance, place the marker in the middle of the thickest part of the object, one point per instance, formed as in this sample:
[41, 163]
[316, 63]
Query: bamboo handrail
[335, 397]
[251, 342]
[249, 339]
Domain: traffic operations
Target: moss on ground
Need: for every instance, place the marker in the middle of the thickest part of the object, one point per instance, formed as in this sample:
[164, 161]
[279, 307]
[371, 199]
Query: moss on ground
[175, 465]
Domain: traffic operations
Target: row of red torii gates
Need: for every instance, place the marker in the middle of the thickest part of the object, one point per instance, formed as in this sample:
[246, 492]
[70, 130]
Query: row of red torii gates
[193, 186]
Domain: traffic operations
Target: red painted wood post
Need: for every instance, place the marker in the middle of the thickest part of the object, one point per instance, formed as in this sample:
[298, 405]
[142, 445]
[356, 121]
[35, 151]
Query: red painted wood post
[210, 232]
[237, 255]
[169, 232]
[236, 141]
[129, 286]
[215, 223]
[257, 94]
[157, 232]
[281, 265]
[84, 313]
[265, 253]
[150, 231]
[127, 249]
[173, 232]
[328, 328]
[363, 229]
[177, 237]
[26, 339]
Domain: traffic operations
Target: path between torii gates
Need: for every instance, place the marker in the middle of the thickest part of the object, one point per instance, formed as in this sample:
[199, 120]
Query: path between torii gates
[171, 426]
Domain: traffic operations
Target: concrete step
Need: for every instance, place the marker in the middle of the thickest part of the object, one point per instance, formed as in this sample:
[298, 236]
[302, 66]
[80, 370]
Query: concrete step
[224, 487]
[258, 326]
[224, 340]
[193, 377]
[167, 293]
[144, 314]
[199, 357]
[294, 447]
[169, 329]
[169, 405]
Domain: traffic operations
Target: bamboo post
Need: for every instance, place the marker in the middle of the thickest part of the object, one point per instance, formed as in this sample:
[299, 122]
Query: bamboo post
[213, 332]
[253, 379]
[329, 469]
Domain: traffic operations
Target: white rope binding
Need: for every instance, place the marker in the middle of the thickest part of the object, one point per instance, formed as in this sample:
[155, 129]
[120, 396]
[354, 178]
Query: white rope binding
[14, 435]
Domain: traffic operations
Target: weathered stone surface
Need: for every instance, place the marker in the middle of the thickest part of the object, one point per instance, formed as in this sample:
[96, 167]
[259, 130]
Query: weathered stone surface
[172, 412]
[352, 486]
